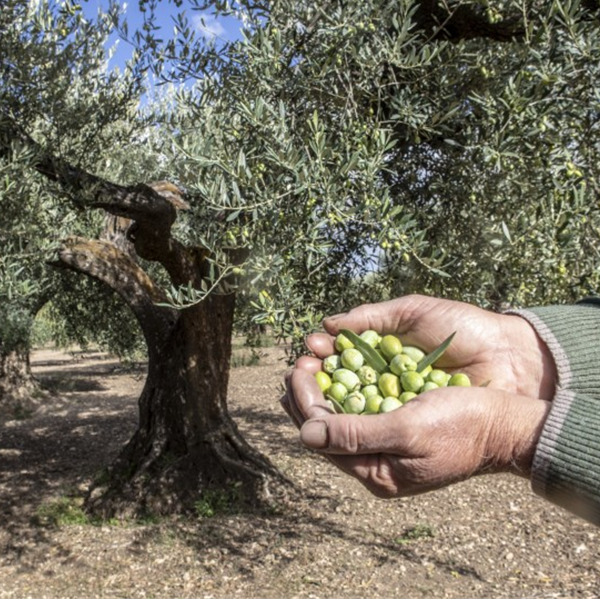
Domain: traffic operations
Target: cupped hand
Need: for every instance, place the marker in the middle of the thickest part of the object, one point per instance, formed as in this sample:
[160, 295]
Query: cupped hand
[500, 350]
[440, 437]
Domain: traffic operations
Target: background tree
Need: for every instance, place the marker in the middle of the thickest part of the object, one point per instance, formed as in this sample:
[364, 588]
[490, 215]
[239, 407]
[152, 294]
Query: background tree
[55, 85]
[332, 152]
[450, 147]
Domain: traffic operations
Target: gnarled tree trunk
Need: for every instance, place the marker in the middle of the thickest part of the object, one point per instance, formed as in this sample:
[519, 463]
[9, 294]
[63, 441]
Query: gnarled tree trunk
[186, 442]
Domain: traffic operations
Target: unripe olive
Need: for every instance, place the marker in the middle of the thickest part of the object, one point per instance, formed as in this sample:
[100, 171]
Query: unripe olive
[389, 404]
[389, 346]
[337, 391]
[342, 343]
[429, 385]
[331, 363]
[411, 381]
[353, 386]
[406, 396]
[438, 377]
[415, 353]
[369, 390]
[323, 380]
[371, 337]
[352, 359]
[373, 403]
[401, 363]
[354, 403]
[460, 379]
[347, 378]
[389, 384]
[367, 375]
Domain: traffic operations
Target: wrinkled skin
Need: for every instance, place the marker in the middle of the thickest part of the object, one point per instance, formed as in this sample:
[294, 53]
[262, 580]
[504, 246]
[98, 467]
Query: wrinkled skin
[445, 435]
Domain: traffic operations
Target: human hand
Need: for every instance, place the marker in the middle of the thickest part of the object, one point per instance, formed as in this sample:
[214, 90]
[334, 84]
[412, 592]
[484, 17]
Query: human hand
[503, 350]
[436, 439]
[446, 435]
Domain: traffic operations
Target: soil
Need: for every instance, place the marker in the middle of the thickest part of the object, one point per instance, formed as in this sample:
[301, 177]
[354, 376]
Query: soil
[489, 537]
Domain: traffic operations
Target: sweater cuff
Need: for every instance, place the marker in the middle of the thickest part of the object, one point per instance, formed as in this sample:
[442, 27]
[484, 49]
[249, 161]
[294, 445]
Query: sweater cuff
[572, 334]
[566, 465]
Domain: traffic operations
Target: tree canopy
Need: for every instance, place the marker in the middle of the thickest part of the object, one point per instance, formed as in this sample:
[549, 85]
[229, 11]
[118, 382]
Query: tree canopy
[365, 149]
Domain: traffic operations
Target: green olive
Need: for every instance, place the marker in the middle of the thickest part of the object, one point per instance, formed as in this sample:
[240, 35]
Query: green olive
[373, 403]
[331, 363]
[426, 371]
[348, 378]
[369, 390]
[337, 391]
[438, 377]
[429, 385]
[415, 353]
[406, 397]
[342, 343]
[460, 379]
[354, 403]
[323, 380]
[371, 337]
[389, 346]
[411, 381]
[352, 359]
[367, 375]
[401, 363]
[389, 404]
[389, 384]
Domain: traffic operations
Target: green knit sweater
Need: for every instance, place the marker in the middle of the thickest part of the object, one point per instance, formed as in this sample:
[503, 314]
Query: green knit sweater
[566, 466]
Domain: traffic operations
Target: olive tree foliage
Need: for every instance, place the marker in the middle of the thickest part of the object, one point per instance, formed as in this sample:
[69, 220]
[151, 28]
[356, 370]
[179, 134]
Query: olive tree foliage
[512, 200]
[55, 88]
[359, 150]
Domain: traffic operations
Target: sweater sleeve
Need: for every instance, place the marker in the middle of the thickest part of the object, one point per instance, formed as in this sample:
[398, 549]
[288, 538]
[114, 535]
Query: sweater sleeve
[566, 465]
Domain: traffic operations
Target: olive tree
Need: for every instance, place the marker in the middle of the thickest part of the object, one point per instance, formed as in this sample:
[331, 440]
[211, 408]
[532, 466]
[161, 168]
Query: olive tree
[54, 85]
[334, 152]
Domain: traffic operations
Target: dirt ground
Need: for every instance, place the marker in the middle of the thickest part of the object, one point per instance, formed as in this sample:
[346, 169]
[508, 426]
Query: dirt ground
[490, 537]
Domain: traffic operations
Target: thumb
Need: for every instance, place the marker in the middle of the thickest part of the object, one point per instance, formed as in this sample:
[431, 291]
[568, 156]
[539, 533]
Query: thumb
[354, 434]
[392, 316]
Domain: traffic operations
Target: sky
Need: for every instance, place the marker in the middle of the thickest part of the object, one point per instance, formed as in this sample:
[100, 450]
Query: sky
[213, 29]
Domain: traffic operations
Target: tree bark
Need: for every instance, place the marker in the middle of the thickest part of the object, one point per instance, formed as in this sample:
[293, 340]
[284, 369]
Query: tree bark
[186, 442]
[18, 386]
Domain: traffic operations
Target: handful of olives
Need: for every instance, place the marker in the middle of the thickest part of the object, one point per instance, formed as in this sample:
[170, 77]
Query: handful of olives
[371, 374]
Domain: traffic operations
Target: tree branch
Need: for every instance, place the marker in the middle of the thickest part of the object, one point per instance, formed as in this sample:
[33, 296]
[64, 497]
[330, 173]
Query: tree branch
[458, 21]
[103, 261]
[153, 212]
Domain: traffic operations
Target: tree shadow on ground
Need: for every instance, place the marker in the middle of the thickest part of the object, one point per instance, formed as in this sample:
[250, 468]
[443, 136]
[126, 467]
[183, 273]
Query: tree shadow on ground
[57, 453]
[74, 433]
[259, 425]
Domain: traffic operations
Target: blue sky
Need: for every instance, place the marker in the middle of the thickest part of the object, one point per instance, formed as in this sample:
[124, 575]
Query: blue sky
[213, 28]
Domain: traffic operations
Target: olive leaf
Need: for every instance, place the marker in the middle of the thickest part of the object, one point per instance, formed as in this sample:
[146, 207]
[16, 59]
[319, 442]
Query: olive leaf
[430, 358]
[337, 407]
[371, 356]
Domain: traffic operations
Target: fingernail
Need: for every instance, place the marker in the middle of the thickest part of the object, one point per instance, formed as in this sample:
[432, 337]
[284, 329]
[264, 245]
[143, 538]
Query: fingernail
[314, 434]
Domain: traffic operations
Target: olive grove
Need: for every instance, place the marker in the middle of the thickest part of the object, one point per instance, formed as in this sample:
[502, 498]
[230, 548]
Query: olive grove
[337, 153]
[54, 86]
